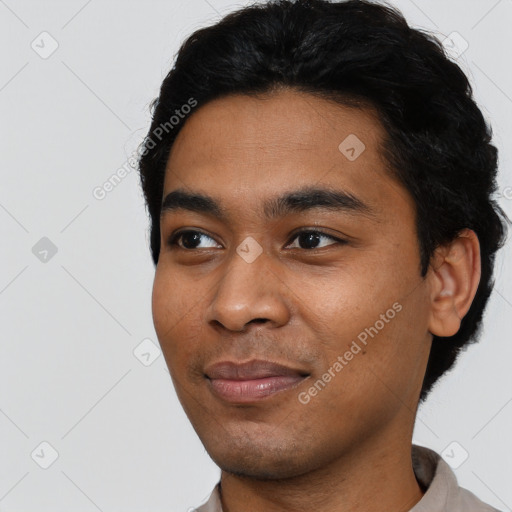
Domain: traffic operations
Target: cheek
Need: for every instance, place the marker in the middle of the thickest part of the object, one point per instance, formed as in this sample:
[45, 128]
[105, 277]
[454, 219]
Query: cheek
[377, 301]
[162, 303]
[175, 308]
[342, 302]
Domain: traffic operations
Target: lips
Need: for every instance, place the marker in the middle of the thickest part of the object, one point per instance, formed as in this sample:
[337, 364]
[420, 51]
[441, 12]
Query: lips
[251, 381]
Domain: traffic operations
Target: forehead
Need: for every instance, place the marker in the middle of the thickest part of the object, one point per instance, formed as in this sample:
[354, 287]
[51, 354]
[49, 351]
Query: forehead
[269, 125]
[245, 148]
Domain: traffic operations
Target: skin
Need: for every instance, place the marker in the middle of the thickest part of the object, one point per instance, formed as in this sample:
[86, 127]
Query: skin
[349, 447]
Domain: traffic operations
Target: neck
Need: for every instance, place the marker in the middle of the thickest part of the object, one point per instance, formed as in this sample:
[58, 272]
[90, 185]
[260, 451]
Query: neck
[368, 479]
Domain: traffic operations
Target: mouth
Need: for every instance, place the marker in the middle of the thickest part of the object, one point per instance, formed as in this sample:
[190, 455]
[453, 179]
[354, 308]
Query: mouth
[251, 381]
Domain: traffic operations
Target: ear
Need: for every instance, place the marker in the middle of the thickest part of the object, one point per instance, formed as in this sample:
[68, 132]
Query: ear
[454, 275]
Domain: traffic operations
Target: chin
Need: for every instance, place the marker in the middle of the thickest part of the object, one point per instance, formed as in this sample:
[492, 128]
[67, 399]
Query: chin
[260, 461]
[258, 469]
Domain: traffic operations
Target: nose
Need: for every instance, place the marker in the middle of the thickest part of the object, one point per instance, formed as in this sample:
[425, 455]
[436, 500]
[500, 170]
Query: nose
[249, 293]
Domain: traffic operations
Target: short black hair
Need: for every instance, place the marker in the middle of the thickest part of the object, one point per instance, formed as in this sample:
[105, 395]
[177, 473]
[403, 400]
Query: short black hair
[355, 52]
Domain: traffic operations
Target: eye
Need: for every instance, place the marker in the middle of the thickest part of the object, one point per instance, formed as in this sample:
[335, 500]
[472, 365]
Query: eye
[192, 240]
[311, 238]
[306, 239]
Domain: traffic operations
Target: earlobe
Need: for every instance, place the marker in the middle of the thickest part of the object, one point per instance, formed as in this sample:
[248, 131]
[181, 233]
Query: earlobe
[454, 276]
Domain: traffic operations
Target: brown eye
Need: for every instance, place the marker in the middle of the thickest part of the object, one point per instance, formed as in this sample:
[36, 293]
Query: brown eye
[191, 240]
[310, 239]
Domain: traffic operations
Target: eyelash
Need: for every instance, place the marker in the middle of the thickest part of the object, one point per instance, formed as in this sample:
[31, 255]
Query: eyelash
[173, 239]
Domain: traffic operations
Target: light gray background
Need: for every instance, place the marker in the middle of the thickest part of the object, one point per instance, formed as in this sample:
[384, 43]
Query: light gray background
[70, 324]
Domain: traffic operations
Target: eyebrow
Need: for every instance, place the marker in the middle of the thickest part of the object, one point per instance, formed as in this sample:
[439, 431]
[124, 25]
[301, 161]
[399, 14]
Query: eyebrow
[296, 201]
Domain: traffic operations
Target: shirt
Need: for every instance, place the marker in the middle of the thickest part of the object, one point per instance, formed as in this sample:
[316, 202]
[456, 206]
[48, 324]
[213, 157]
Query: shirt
[442, 494]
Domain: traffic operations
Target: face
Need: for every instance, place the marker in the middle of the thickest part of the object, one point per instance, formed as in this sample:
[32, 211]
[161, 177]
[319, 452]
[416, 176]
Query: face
[287, 299]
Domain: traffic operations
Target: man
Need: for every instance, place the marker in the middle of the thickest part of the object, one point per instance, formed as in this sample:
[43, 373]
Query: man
[319, 182]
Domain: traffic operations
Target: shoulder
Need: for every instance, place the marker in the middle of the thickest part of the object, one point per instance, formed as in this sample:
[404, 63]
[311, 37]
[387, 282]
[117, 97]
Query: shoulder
[443, 493]
[466, 500]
